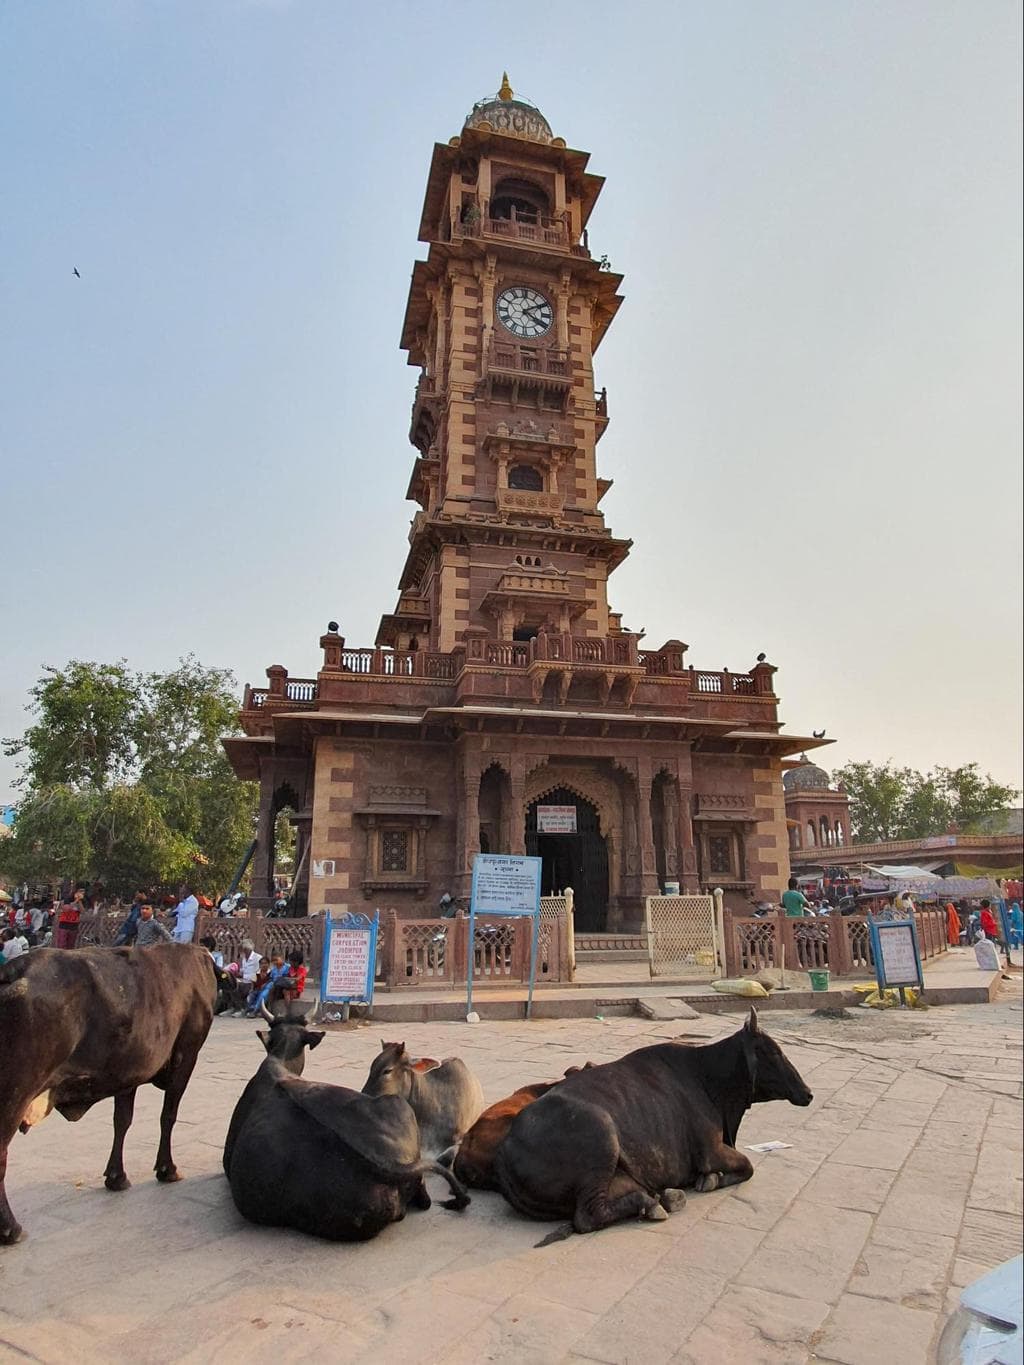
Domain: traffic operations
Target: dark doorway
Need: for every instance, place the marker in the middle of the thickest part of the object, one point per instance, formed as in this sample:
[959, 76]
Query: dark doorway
[578, 860]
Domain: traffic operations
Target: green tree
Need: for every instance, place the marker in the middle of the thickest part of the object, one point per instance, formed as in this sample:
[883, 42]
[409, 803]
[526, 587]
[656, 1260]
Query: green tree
[888, 803]
[126, 781]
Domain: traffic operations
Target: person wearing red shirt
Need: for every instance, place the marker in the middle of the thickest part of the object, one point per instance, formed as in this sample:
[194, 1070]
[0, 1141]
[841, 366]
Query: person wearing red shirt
[988, 921]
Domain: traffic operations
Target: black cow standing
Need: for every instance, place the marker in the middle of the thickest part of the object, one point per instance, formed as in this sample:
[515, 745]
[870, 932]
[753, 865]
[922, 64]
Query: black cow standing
[321, 1158]
[625, 1139]
[78, 1027]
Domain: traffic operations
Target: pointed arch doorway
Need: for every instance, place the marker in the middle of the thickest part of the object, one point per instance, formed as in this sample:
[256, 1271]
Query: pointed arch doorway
[578, 860]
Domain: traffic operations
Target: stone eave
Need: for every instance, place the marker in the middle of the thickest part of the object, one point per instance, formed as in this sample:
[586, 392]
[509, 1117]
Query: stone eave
[243, 752]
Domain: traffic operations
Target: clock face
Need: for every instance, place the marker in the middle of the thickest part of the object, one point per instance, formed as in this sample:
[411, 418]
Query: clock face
[524, 311]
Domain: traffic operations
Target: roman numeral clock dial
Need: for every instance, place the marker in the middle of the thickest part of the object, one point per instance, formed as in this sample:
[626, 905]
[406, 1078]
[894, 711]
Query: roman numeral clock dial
[525, 312]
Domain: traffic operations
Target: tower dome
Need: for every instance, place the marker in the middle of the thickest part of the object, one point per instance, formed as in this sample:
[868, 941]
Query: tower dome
[506, 113]
[807, 777]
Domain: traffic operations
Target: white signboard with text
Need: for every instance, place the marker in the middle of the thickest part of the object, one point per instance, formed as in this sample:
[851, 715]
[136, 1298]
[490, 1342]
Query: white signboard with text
[505, 884]
[350, 952]
[556, 819]
[897, 959]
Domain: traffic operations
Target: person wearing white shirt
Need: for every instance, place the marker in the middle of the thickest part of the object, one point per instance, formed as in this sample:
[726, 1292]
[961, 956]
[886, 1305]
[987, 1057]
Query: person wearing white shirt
[186, 911]
[14, 945]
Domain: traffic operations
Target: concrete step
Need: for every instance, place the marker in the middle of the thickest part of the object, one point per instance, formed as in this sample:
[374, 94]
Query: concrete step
[596, 957]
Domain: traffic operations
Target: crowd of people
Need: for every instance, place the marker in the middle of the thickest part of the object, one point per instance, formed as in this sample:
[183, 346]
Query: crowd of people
[244, 987]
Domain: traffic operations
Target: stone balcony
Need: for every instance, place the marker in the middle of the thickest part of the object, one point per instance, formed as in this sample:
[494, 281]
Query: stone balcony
[347, 673]
[529, 503]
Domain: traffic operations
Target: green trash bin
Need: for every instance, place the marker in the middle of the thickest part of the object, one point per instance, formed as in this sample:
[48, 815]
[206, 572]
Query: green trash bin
[819, 980]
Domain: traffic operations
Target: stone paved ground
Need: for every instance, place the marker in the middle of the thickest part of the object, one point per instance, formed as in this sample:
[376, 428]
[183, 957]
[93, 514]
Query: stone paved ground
[903, 1182]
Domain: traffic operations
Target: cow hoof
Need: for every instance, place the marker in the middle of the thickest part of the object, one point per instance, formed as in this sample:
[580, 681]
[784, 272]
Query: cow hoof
[117, 1182]
[168, 1175]
[655, 1214]
[673, 1200]
[708, 1182]
[10, 1236]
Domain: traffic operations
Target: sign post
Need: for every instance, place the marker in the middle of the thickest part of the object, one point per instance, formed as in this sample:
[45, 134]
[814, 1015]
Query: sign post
[508, 885]
[350, 960]
[897, 956]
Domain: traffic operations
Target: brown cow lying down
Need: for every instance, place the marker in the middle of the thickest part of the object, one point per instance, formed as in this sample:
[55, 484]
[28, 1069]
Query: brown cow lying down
[77, 1027]
[474, 1159]
[624, 1139]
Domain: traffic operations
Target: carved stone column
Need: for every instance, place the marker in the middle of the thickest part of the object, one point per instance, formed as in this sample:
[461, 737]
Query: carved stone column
[517, 817]
[645, 826]
[262, 870]
[467, 832]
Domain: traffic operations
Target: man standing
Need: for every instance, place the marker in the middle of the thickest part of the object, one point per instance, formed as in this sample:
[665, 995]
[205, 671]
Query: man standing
[186, 911]
[794, 902]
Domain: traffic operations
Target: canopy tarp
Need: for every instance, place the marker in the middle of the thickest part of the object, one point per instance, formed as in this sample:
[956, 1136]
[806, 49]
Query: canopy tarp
[904, 872]
[973, 870]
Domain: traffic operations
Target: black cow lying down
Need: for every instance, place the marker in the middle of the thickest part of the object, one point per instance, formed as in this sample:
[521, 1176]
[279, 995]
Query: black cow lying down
[77, 1027]
[624, 1139]
[321, 1158]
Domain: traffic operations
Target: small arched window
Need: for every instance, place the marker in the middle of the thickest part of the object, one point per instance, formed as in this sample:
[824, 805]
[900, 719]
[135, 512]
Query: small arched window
[526, 477]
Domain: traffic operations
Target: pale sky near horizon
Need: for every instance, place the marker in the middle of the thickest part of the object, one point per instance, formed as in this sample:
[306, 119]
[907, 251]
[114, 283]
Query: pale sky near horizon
[814, 381]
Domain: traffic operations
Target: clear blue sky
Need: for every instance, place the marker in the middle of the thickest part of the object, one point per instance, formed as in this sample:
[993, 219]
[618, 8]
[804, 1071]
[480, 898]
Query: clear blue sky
[814, 382]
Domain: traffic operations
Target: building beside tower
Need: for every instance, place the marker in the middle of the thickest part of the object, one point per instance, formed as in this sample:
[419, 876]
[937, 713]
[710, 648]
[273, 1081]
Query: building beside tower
[504, 707]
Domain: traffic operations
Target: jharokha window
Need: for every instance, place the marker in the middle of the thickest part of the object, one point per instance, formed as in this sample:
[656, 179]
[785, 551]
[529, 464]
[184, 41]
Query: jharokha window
[394, 850]
[526, 477]
[720, 854]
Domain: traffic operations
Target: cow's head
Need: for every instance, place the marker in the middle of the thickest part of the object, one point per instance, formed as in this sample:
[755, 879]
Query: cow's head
[287, 1039]
[393, 1070]
[772, 1076]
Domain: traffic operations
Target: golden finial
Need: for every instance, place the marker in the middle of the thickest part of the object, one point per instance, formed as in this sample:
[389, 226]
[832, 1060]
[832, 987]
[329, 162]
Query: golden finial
[505, 93]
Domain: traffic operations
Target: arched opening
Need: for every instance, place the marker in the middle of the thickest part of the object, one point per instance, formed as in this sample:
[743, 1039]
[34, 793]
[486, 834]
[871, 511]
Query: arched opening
[564, 831]
[519, 199]
[794, 836]
[840, 838]
[811, 838]
[287, 845]
[494, 806]
[824, 839]
[526, 477]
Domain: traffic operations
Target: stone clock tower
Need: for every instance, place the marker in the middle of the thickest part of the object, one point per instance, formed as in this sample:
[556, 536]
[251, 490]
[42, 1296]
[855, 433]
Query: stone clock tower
[503, 707]
[504, 317]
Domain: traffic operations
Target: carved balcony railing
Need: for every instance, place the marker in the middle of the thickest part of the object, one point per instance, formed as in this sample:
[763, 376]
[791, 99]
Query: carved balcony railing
[539, 228]
[528, 502]
[548, 361]
[617, 651]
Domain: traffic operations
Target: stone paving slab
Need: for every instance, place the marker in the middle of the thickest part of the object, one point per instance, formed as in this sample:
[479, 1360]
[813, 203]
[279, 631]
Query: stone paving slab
[903, 1183]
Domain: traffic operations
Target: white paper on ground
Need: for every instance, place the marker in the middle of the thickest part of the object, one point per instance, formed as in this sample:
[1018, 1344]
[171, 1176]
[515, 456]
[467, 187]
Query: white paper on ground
[767, 1146]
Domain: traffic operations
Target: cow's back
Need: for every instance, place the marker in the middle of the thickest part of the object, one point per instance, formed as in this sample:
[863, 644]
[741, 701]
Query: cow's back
[92, 1021]
[447, 1102]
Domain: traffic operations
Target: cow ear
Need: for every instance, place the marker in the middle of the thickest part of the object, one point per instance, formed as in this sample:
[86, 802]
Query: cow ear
[751, 1024]
[313, 1039]
[425, 1064]
[264, 1037]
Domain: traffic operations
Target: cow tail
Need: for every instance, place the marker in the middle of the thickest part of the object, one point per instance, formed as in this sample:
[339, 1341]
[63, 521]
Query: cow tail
[461, 1197]
[447, 1157]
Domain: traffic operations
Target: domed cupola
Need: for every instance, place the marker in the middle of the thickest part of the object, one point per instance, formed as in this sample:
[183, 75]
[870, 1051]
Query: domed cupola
[507, 113]
[806, 777]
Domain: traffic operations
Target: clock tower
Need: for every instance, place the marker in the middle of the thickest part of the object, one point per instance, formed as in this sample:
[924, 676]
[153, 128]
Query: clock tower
[503, 707]
[503, 320]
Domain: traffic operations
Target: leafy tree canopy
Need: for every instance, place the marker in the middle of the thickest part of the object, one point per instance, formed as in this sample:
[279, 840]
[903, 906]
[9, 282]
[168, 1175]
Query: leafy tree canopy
[889, 803]
[125, 780]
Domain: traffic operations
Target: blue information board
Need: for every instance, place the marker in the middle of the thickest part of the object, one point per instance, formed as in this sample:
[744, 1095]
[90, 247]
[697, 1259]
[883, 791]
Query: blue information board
[350, 959]
[506, 884]
[896, 953]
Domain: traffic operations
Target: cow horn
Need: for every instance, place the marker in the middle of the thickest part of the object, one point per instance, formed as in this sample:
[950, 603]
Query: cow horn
[270, 1018]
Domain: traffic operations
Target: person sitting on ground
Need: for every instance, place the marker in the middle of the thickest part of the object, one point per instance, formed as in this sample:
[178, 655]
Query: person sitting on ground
[291, 986]
[150, 930]
[210, 944]
[249, 963]
[794, 902]
[258, 995]
[13, 945]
